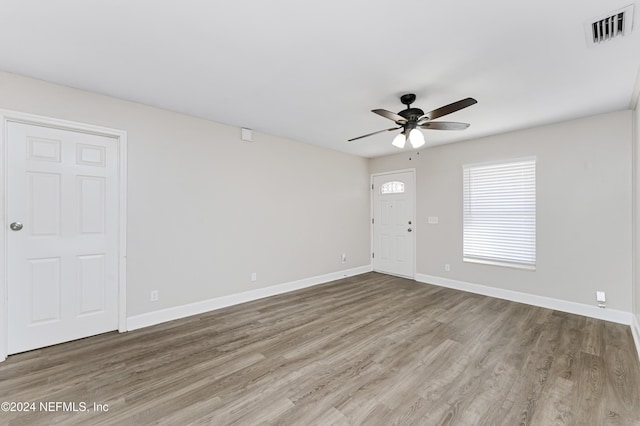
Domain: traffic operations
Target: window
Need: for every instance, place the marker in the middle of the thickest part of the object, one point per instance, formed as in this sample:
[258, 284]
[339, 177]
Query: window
[499, 219]
[393, 187]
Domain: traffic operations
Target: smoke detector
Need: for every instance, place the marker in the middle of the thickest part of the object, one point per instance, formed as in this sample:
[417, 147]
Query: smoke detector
[612, 25]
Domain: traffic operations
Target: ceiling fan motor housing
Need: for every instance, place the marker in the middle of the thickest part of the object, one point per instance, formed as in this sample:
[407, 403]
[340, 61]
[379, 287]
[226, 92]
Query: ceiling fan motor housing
[411, 114]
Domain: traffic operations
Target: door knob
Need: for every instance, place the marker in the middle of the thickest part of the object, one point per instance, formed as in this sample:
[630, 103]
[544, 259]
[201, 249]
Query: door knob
[15, 226]
[409, 230]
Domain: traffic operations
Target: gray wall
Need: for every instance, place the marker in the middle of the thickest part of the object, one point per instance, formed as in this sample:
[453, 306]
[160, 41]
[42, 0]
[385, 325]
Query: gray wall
[206, 209]
[636, 218]
[584, 203]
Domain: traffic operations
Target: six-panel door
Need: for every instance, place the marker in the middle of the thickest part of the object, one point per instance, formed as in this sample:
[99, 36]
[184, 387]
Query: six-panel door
[62, 269]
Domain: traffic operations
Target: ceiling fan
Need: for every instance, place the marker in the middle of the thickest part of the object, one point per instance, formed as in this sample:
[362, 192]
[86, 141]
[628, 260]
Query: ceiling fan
[410, 119]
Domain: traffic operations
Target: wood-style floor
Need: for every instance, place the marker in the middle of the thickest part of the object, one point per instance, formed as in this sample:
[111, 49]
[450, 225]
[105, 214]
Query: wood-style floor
[371, 349]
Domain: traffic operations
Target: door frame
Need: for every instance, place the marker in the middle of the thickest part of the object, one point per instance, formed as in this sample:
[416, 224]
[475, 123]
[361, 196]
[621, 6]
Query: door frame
[415, 219]
[120, 138]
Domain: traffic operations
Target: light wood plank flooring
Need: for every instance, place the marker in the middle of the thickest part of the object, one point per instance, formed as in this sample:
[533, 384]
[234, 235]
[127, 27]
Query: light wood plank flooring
[371, 349]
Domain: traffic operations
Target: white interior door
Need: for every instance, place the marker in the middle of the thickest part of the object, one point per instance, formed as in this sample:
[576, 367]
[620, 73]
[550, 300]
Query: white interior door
[62, 204]
[393, 223]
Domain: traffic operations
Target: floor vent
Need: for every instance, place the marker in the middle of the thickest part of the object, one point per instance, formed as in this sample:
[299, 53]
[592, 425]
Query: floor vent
[614, 25]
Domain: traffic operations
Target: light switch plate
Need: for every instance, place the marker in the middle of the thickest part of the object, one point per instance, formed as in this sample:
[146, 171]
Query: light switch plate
[433, 220]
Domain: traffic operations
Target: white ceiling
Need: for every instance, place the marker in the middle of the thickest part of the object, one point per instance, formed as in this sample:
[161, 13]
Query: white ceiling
[312, 70]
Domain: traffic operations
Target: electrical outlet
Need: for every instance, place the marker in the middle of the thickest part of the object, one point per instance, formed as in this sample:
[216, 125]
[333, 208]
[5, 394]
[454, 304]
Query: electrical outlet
[254, 276]
[447, 267]
[343, 258]
[601, 298]
[154, 295]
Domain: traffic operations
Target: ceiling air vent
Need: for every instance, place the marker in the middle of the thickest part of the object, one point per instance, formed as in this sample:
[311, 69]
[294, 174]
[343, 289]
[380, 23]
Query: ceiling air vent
[613, 25]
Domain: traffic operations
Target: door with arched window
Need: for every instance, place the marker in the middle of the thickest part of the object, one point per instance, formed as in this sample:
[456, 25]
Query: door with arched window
[393, 223]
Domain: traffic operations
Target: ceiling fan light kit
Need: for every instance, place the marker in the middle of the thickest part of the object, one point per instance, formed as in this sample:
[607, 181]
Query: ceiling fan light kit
[399, 140]
[416, 138]
[410, 119]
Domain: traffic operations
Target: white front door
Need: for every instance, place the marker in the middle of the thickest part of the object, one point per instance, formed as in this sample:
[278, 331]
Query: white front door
[393, 223]
[62, 204]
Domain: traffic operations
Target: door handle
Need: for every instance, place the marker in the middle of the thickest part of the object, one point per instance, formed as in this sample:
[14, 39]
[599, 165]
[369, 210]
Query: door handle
[15, 226]
[409, 230]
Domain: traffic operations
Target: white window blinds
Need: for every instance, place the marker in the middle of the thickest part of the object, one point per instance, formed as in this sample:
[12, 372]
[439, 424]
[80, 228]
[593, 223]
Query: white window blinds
[500, 213]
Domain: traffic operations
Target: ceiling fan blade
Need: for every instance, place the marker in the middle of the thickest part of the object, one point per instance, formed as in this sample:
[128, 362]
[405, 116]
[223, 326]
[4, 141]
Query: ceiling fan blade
[444, 125]
[447, 109]
[390, 115]
[374, 133]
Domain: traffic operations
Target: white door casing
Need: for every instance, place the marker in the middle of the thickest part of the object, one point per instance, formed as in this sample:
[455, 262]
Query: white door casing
[393, 223]
[63, 272]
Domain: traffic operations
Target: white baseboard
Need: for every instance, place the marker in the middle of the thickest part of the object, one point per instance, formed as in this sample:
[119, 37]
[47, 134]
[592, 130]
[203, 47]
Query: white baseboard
[177, 312]
[635, 330]
[612, 315]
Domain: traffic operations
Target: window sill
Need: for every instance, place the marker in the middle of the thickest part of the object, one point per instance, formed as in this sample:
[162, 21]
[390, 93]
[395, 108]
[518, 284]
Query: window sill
[498, 263]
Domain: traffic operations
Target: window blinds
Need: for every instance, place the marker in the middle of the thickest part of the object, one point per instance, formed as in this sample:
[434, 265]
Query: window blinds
[500, 213]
